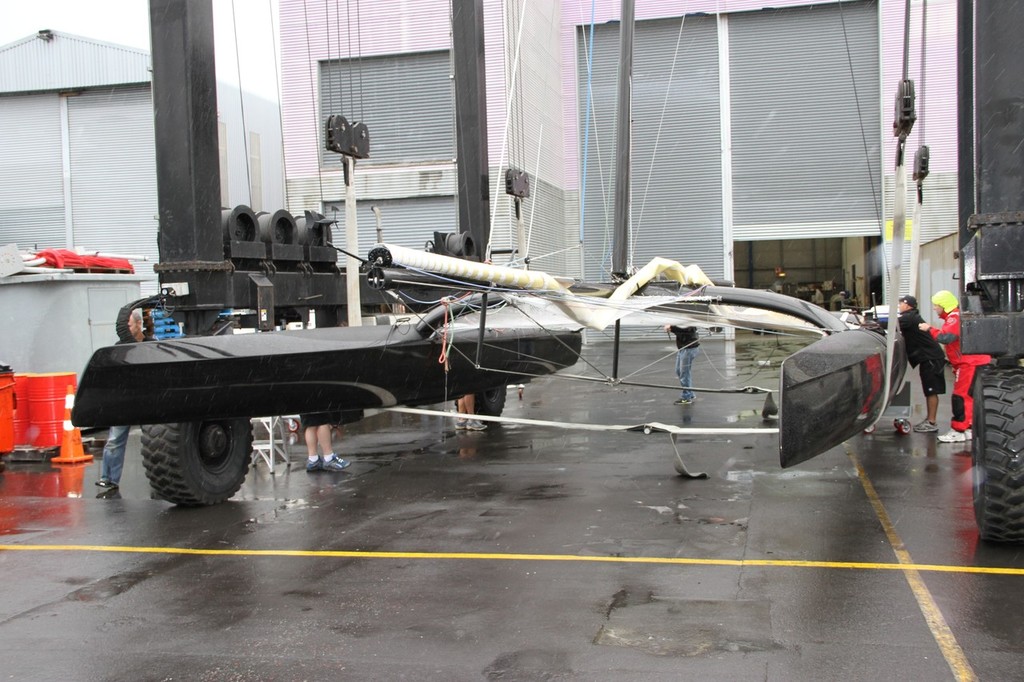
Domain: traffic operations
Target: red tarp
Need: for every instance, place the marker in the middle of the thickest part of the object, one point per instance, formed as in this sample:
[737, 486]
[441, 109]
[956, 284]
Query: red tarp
[67, 259]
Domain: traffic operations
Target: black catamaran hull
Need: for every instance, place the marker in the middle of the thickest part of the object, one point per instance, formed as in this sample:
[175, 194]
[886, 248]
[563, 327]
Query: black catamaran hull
[833, 389]
[317, 370]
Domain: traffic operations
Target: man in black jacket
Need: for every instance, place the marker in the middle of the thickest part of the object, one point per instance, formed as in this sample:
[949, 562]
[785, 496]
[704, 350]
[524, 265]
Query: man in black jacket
[688, 345]
[925, 351]
[117, 436]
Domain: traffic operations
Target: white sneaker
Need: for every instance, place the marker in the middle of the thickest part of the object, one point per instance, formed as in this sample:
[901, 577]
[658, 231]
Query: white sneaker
[954, 436]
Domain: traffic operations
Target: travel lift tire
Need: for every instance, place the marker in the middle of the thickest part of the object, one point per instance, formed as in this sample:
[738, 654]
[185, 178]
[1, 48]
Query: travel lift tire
[998, 454]
[197, 463]
[491, 403]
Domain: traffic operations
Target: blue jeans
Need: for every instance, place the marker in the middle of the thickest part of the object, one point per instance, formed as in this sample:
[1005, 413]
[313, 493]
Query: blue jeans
[684, 365]
[113, 453]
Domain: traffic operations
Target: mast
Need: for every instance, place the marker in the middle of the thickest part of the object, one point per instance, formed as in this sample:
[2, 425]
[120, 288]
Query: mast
[620, 250]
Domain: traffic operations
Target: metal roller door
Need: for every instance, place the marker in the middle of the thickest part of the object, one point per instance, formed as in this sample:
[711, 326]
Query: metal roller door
[113, 174]
[676, 158]
[805, 121]
[31, 174]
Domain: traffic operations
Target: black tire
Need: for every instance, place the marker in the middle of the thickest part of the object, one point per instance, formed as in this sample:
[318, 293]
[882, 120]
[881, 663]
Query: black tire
[491, 402]
[197, 463]
[997, 445]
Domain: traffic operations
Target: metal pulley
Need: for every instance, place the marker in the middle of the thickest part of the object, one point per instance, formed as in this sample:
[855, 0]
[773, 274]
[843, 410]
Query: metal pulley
[906, 114]
[350, 139]
[921, 163]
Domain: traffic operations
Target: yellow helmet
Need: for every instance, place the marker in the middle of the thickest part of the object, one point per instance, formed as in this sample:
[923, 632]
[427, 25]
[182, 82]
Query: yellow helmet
[945, 300]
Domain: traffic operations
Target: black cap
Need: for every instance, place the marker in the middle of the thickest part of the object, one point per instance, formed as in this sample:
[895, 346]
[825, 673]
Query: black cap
[909, 300]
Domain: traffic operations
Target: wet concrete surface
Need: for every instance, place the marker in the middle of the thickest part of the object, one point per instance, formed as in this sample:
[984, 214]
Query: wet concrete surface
[526, 553]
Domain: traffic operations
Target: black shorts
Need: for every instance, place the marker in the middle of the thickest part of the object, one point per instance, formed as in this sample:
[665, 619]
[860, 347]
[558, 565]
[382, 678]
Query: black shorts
[335, 418]
[933, 377]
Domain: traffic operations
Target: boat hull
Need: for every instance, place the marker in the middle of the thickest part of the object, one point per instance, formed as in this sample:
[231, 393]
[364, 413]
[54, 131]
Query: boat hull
[297, 372]
[834, 389]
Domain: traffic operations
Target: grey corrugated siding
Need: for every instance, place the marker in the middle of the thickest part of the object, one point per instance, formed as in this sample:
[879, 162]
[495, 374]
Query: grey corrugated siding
[805, 142]
[69, 61]
[535, 134]
[544, 226]
[405, 100]
[938, 215]
[113, 170]
[31, 182]
[677, 176]
[405, 222]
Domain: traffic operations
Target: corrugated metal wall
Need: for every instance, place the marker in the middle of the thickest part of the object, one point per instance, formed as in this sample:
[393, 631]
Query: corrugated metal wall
[405, 100]
[677, 164]
[833, 199]
[68, 61]
[805, 116]
[406, 222]
[113, 174]
[31, 172]
[531, 112]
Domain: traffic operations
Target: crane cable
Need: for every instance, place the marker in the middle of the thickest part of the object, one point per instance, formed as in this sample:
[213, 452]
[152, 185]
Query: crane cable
[903, 123]
[921, 161]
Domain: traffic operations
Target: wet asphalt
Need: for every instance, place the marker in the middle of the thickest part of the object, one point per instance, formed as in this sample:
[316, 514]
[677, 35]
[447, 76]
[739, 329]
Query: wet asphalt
[527, 552]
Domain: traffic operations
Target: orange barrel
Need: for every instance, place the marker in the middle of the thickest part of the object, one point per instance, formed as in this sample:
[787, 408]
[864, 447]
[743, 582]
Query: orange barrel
[22, 418]
[46, 396]
[6, 408]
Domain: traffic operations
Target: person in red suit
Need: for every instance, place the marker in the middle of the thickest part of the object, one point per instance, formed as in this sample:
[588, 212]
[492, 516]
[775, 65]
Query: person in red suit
[947, 307]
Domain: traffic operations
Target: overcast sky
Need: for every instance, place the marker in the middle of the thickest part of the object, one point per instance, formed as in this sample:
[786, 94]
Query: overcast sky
[126, 22]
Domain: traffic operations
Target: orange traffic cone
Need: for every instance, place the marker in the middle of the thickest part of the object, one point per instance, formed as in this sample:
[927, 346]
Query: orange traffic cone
[71, 451]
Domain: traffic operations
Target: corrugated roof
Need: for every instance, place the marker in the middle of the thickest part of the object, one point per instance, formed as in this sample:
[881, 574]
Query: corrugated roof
[52, 60]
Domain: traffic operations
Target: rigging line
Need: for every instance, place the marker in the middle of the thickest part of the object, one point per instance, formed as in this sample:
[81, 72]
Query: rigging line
[533, 204]
[589, 46]
[554, 253]
[747, 390]
[504, 135]
[633, 374]
[359, 57]
[453, 101]
[241, 106]
[520, 97]
[604, 191]
[549, 332]
[601, 378]
[348, 61]
[920, 91]
[312, 96]
[280, 99]
[657, 138]
[330, 69]
[509, 27]
[906, 40]
[446, 331]
[472, 361]
[860, 117]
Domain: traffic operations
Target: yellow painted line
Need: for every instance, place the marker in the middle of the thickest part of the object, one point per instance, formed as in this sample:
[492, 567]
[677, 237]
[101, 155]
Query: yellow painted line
[485, 556]
[951, 650]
